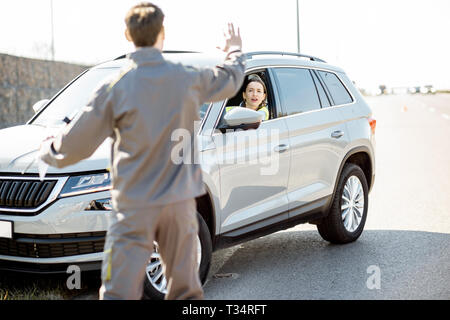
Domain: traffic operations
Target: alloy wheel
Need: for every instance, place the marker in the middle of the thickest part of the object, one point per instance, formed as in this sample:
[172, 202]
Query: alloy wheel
[352, 204]
[154, 269]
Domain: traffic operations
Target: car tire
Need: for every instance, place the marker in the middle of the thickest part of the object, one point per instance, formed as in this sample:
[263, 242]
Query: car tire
[151, 292]
[348, 212]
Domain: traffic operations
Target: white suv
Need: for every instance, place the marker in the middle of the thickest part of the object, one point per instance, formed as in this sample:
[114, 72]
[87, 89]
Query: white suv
[311, 161]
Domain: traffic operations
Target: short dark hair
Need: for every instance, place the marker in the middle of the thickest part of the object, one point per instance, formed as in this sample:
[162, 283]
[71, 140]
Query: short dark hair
[144, 22]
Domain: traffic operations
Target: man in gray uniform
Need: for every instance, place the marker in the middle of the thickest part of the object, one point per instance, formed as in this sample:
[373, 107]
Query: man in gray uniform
[153, 198]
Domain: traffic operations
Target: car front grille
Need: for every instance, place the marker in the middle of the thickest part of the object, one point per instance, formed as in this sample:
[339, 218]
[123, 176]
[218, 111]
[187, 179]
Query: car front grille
[24, 194]
[52, 246]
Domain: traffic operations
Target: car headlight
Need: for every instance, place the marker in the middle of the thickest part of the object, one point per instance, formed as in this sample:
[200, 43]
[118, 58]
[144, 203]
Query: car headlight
[86, 184]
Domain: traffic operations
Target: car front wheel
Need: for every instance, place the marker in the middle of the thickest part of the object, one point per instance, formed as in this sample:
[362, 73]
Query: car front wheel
[347, 216]
[155, 283]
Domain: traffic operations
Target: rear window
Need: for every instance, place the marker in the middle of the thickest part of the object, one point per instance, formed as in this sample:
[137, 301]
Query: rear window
[322, 95]
[337, 90]
[297, 89]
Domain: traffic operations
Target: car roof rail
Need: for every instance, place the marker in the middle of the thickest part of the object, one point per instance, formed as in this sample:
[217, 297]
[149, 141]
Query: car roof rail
[258, 53]
[180, 51]
[165, 51]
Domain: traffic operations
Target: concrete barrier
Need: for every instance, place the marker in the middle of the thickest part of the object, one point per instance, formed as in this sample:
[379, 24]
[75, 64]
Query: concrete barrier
[24, 81]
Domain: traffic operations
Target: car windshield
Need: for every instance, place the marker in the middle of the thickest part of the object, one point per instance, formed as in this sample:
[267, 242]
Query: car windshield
[69, 102]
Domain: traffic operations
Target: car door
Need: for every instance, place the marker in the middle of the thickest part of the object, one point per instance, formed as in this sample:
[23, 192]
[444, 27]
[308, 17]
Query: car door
[254, 169]
[317, 138]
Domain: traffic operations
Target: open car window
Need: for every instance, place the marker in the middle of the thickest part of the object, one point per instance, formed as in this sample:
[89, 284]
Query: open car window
[237, 100]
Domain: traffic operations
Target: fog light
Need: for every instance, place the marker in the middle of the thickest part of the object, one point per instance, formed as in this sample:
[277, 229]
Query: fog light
[102, 204]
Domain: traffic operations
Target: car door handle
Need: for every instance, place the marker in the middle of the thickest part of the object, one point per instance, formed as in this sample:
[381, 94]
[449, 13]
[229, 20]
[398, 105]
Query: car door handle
[281, 148]
[337, 134]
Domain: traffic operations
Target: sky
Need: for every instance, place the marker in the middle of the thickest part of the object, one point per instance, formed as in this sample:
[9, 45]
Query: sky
[391, 42]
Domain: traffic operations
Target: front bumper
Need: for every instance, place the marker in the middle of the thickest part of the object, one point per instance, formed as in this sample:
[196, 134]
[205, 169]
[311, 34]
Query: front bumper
[63, 234]
[50, 268]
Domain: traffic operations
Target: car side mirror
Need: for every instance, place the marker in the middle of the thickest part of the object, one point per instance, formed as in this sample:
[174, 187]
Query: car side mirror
[241, 118]
[38, 105]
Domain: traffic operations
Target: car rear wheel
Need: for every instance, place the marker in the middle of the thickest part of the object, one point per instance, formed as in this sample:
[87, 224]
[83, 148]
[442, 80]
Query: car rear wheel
[347, 216]
[155, 283]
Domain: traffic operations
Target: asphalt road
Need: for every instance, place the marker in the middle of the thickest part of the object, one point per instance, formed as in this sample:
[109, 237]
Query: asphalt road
[404, 252]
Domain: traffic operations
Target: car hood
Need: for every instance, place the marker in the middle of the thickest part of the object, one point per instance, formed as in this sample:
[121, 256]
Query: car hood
[19, 147]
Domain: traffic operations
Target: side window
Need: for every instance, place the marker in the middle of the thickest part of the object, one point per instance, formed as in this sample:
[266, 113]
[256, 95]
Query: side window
[297, 90]
[269, 101]
[337, 90]
[322, 95]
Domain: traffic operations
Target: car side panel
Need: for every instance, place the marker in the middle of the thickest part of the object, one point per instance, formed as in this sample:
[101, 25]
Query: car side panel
[316, 155]
[253, 177]
[356, 118]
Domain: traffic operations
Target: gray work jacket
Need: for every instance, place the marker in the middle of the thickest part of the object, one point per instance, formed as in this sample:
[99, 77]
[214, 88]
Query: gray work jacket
[140, 110]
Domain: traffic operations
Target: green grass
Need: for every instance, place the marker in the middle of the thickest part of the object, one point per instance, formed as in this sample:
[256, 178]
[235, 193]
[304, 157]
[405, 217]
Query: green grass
[18, 286]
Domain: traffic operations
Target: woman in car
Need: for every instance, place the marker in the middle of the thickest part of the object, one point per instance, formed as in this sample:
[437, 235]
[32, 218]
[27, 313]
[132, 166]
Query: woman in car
[254, 96]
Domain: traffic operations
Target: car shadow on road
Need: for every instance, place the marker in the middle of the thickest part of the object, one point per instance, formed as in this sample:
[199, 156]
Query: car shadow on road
[381, 264]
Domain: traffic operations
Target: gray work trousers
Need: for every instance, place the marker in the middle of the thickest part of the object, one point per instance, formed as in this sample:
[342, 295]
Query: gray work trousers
[129, 244]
